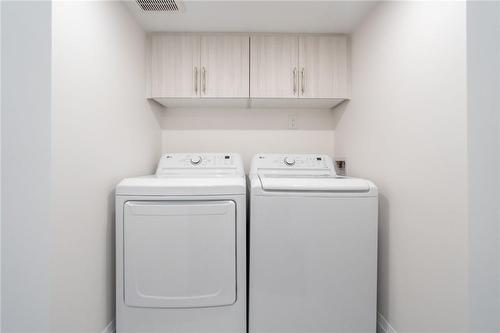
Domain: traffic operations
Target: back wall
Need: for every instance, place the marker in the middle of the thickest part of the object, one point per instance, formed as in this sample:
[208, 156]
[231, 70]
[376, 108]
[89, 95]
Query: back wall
[247, 131]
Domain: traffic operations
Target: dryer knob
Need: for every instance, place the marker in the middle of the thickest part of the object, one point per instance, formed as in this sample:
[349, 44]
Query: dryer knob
[289, 161]
[195, 160]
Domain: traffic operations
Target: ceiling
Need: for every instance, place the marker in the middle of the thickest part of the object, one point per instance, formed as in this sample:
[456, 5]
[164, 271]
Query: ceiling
[257, 16]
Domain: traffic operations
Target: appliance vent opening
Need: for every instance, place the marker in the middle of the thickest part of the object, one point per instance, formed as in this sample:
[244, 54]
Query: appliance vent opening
[160, 5]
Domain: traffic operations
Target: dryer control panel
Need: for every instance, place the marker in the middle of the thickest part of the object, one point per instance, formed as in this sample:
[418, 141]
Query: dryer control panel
[218, 164]
[283, 162]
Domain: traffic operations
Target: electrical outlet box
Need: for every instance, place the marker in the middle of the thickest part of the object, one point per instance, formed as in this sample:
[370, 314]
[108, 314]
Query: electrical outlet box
[340, 167]
[292, 122]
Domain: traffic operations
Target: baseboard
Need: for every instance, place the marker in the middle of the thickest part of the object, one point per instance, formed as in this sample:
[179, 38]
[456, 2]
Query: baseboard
[383, 326]
[110, 328]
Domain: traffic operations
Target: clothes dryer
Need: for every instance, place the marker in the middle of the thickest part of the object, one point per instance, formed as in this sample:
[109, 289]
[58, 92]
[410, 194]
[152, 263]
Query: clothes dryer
[181, 247]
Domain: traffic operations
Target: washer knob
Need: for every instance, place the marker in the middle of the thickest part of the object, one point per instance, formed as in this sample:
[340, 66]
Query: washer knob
[195, 160]
[289, 161]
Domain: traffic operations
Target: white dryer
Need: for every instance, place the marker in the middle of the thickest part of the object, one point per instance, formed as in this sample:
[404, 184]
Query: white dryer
[181, 247]
[313, 247]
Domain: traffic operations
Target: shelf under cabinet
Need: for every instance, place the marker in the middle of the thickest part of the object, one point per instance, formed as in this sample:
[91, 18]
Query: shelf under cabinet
[290, 103]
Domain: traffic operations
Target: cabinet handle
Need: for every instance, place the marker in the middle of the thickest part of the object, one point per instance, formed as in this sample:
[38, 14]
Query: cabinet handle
[195, 80]
[204, 79]
[302, 74]
[294, 80]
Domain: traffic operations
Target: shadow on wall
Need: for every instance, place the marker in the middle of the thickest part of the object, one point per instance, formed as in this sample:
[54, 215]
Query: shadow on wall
[157, 110]
[248, 118]
[384, 225]
[111, 241]
[338, 112]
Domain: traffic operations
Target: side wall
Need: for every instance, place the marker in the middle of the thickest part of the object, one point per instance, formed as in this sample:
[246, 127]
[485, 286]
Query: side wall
[406, 129]
[483, 76]
[103, 129]
[25, 168]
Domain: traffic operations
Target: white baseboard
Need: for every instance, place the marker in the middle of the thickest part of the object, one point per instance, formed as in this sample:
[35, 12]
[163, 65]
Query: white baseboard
[383, 326]
[110, 328]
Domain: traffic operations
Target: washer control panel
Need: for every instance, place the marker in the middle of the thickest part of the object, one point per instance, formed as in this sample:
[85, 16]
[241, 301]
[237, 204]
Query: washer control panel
[292, 162]
[217, 163]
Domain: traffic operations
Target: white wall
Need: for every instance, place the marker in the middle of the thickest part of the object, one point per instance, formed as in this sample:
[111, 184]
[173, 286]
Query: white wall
[247, 131]
[406, 129]
[0, 169]
[483, 73]
[103, 130]
[25, 85]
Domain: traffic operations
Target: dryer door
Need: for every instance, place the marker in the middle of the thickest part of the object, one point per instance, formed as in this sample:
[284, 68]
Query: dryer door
[179, 254]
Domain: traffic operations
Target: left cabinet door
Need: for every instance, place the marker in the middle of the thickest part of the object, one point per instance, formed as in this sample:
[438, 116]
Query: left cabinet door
[225, 66]
[175, 66]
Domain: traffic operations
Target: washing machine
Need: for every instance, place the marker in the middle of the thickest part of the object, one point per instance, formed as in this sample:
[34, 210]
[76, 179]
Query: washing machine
[181, 247]
[313, 247]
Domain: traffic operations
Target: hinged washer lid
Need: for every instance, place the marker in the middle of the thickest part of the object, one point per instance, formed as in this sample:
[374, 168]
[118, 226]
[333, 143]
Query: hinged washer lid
[320, 184]
[302, 173]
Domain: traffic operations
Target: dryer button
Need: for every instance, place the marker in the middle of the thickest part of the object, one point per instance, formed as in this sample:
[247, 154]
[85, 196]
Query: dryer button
[195, 160]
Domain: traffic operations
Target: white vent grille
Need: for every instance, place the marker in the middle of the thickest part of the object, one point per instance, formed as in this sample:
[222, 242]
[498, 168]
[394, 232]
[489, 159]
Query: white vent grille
[160, 5]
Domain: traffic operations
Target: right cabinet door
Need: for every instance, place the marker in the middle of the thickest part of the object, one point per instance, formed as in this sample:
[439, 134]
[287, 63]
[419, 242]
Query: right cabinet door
[323, 67]
[273, 66]
[224, 66]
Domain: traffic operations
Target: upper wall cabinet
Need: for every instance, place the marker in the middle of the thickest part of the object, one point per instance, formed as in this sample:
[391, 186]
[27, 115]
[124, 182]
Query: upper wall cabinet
[175, 66]
[225, 66]
[190, 66]
[323, 67]
[235, 69]
[274, 66]
[305, 67]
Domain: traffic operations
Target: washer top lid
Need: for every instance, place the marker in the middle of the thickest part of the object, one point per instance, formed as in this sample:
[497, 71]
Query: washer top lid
[205, 165]
[303, 173]
[316, 184]
[293, 165]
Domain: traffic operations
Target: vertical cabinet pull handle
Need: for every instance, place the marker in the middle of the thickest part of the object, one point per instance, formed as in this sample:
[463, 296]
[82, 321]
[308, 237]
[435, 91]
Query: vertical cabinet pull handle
[195, 80]
[204, 80]
[294, 80]
[302, 74]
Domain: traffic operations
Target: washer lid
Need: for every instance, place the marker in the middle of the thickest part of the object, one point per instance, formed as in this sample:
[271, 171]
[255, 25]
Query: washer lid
[313, 183]
[303, 173]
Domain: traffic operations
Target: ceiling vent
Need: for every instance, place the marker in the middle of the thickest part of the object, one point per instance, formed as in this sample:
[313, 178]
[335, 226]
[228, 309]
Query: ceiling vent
[160, 5]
